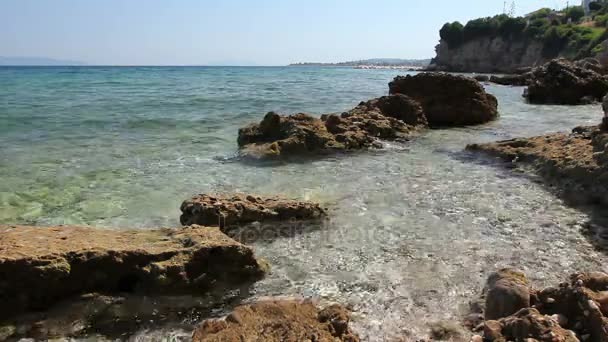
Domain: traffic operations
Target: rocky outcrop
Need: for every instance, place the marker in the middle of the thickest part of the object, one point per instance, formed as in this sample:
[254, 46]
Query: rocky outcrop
[41, 265]
[566, 83]
[507, 292]
[448, 100]
[489, 55]
[280, 321]
[385, 118]
[512, 80]
[576, 162]
[574, 311]
[238, 209]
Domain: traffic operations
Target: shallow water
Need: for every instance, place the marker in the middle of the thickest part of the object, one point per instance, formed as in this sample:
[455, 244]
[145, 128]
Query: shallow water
[414, 231]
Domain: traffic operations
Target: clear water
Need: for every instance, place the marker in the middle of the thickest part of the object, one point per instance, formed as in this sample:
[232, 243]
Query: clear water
[414, 230]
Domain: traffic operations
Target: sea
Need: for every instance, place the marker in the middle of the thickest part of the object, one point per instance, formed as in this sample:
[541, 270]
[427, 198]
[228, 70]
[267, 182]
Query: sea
[414, 229]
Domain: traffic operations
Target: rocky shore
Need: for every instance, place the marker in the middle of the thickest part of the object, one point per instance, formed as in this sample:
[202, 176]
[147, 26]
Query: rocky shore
[414, 104]
[577, 162]
[40, 266]
[571, 312]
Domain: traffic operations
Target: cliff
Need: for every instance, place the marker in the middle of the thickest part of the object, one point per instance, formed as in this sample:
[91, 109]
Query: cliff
[504, 43]
[490, 54]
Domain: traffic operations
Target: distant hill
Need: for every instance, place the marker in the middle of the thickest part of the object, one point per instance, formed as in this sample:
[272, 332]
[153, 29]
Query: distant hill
[35, 61]
[373, 62]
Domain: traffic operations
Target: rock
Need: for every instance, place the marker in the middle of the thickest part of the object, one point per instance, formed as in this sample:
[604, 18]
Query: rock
[42, 265]
[446, 331]
[511, 80]
[238, 209]
[530, 324]
[507, 292]
[490, 54]
[481, 78]
[576, 162]
[279, 320]
[448, 100]
[492, 330]
[386, 118]
[564, 82]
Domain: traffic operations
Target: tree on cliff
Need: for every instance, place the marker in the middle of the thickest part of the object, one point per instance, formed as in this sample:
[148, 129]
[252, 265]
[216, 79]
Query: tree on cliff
[575, 13]
[452, 33]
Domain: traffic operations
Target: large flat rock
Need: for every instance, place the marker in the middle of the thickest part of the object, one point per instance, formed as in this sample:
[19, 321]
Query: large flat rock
[41, 265]
[283, 320]
[577, 162]
[237, 209]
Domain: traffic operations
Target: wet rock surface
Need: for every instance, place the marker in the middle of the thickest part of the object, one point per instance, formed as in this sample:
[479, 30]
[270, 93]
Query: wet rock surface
[574, 311]
[41, 265]
[576, 162]
[507, 292]
[238, 209]
[512, 80]
[279, 320]
[448, 100]
[563, 82]
[385, 118]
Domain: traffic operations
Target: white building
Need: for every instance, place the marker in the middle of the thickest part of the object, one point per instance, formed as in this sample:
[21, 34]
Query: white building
[586, 6]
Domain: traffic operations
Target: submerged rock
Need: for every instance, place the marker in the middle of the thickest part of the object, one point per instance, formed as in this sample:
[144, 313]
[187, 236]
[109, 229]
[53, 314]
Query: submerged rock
[209, 210]
[576, 162]
[563, 82]
[448, 100]
[386, 118]
[279, 320]
[42, 265]
[482, 78]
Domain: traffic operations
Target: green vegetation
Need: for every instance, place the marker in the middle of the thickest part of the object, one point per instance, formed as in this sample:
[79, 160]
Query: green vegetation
[561, 32]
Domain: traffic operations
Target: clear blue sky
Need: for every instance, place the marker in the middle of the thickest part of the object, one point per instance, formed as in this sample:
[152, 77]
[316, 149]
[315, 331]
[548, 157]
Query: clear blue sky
[260, 32]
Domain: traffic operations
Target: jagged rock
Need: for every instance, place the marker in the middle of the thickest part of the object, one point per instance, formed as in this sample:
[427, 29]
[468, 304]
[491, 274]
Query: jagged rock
[448, 100]
[563, 82]
[511, 80]
[507, 292]
[582, 304]
[280, 321]
[386, 118]
[237, 209]
[529, 324]
[576, 162]
[42, 265]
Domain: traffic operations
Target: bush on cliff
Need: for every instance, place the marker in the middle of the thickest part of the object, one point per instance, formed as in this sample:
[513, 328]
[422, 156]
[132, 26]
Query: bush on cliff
[452, 33]
[575, 13]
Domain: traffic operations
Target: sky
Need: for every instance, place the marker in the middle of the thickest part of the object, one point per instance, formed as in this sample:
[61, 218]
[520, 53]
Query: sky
[234, 32]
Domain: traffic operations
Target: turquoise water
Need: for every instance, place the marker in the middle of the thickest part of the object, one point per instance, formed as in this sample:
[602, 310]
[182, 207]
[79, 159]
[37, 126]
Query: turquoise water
[415, 229]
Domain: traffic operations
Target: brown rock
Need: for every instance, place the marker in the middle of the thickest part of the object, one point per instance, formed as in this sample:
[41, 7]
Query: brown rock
[563, 82]
[531, 324]
[41, 265]
[279, 320]
[511, 80]
[448, 100]
[386, 118]
[507, 292]
[209, 210]
[577, 162]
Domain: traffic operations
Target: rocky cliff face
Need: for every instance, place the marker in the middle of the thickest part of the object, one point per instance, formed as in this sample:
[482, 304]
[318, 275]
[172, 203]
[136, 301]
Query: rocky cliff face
[489, 54]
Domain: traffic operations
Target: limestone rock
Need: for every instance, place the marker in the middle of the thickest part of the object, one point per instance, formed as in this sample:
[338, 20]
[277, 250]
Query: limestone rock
[385, 118]
[448, 100]
[566, 83]
[507, 292]
[281, 321]
[42, 265]
[237, 209]
[576, 162]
